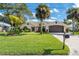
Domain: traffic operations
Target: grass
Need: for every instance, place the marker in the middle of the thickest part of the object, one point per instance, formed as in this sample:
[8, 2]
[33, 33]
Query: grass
[31, 43]
[76, 33]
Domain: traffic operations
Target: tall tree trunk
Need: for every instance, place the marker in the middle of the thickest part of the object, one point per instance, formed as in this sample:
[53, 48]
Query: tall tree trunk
[41, 28]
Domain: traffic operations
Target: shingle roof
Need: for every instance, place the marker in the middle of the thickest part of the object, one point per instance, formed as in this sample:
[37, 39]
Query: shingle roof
[35, 24]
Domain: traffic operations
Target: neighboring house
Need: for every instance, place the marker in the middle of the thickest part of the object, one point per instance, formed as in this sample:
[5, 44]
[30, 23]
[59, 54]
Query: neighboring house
[71, 25]
[4, 26]
[4, 23]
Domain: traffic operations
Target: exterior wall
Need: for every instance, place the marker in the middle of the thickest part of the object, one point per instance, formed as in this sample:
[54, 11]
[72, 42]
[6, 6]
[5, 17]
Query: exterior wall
[65, 29]
[1, 29]
[60, 27]
[36, 29]
[47, 28]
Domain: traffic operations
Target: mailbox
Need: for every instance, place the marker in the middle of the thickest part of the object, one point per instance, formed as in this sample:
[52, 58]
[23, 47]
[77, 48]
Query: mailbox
[66, 36]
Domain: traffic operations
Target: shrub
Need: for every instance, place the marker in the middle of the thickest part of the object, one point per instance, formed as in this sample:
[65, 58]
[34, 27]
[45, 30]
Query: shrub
[25, 29]
[14, 30]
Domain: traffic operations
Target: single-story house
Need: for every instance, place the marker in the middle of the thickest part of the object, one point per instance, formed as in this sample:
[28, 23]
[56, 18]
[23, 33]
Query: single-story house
[49, 26]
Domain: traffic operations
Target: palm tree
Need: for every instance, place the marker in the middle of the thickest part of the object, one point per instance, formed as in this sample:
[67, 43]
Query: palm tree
[73, 14]
[42, 12]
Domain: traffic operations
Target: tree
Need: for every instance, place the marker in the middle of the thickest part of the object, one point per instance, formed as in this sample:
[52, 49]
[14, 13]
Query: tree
[42, 12]
[73, 14]
[15, 13]
[15, 21]
[19, 9]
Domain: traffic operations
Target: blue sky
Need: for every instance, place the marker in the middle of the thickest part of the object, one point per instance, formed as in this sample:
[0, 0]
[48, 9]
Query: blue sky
[58, 10]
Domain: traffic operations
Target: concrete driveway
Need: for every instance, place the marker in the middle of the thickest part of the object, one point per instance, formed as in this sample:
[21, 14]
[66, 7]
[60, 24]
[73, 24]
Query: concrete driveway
[72, 42]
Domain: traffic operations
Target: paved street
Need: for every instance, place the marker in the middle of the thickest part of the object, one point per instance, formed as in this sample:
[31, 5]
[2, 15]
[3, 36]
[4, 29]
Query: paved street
[72, 42]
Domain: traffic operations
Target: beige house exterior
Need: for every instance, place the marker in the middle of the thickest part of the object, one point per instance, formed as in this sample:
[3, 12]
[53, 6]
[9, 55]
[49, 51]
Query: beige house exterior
[49, 26]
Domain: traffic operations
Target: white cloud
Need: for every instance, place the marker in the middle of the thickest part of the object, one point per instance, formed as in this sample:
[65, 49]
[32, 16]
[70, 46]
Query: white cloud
[53, 18]
[1, 14]
[35, 20]
[49, 20]
[34, 15]
[51, 11]
[55, 10]
[75, 5]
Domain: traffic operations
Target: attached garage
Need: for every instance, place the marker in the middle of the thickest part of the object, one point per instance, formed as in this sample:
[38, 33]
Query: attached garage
[56, 28]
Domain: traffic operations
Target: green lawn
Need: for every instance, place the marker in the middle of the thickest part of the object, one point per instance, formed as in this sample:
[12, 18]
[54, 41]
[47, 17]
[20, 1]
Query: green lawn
[31, 43]
[76, 33]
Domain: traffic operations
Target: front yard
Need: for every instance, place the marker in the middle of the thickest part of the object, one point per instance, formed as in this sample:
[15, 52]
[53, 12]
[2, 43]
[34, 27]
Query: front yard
[31, 43]
[76, 33]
